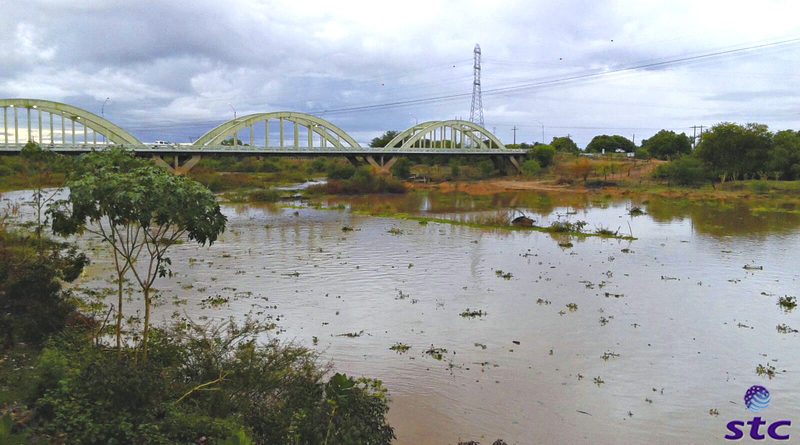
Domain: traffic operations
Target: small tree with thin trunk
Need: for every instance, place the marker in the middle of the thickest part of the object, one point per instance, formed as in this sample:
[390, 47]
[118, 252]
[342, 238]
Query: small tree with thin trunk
[140, 212]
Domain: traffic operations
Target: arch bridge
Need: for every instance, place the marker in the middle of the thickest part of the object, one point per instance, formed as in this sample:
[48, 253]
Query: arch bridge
[67, 129]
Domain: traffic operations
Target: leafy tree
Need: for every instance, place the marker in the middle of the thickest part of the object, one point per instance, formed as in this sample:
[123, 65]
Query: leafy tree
[610, 144]
[543, 154]
[486, 167]
[565, 144]
[383, 139]
[229, 141]
[40, 175]
[141, 211]
[731, 150]
[402, 168]
[784, 158]
[667, 145]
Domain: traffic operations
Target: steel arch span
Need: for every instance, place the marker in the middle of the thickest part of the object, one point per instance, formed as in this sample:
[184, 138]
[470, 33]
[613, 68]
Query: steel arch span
[46, 133]
[328, 133]
[446, 134]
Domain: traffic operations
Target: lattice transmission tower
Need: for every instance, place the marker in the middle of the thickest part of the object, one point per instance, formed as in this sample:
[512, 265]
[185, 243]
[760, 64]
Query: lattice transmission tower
[476, 110]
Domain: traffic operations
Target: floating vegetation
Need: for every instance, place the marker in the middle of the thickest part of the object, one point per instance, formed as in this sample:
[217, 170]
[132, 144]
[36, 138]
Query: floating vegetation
[400, 347]
[436, 353]
[598, 381]
[542, 301]
[352, 334]
[636, 211]
[574, 229]
[626, 250]
[315, 340]
[480, 345]
[565, 244]
[293, 274]
[472, 313]
[395, 231]
[401, 295]
[768, 371]
[609, 294]
[713, 412]
[787, 303]
[572, 307]
[605, 231]
[501, 274]
[750, 267]
[215, 301]
[607, 355]
[347, 229]
[567, 227]
[666, 278]
[604, 321]
[785, 329]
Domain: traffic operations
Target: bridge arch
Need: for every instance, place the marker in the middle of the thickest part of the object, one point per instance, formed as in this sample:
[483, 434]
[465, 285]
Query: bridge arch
[327, 132]
[89, 121]
[446, 134]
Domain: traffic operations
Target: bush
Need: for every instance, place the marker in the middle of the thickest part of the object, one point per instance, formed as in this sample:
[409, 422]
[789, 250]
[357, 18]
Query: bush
[543, 154]
[531, 167]
[402, 168]
[686, 170]
[455, 168]
[340, 171]
[363, 180]
[32, 304]
[265, 195]
[486, 167]
[212, 382]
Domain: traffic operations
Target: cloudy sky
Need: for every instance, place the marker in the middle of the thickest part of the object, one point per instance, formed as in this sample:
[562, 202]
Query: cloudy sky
[175, 69]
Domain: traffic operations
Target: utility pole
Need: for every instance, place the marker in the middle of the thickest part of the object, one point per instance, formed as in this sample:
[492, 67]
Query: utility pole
[515, 134]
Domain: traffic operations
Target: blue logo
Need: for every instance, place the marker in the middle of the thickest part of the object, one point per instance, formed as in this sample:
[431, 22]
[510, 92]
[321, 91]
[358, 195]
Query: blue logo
[756, 398]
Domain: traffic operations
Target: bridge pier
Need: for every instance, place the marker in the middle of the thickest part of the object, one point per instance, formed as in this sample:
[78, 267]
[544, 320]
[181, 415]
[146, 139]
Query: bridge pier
[508, 163]
[176, 167]
[381, 164]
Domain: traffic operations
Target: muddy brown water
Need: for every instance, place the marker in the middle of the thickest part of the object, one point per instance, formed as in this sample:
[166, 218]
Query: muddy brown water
[681, 332]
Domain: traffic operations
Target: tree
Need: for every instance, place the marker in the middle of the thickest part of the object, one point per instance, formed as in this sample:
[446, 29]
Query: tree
[581, 169]
[543, 154]
[667, 145]
[610, 144]
[383, 139]
[565, 144]
[39, 176]
[731, 150]
[784, 158]
[144, 210]
[402, 168]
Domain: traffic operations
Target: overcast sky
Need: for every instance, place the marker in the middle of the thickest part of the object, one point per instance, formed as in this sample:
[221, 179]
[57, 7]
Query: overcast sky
[175, 69]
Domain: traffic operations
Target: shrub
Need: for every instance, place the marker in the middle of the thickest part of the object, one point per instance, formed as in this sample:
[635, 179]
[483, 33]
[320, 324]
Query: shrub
[543, 154]
[455, 167]
[685, 170]
[32, 304]
[486, 167]
[265, 195]
[212, 382]
[402, 168]
[340, 171]
[531, 167]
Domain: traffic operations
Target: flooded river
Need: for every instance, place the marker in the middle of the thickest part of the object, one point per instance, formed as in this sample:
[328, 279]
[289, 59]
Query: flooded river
[608, 341]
